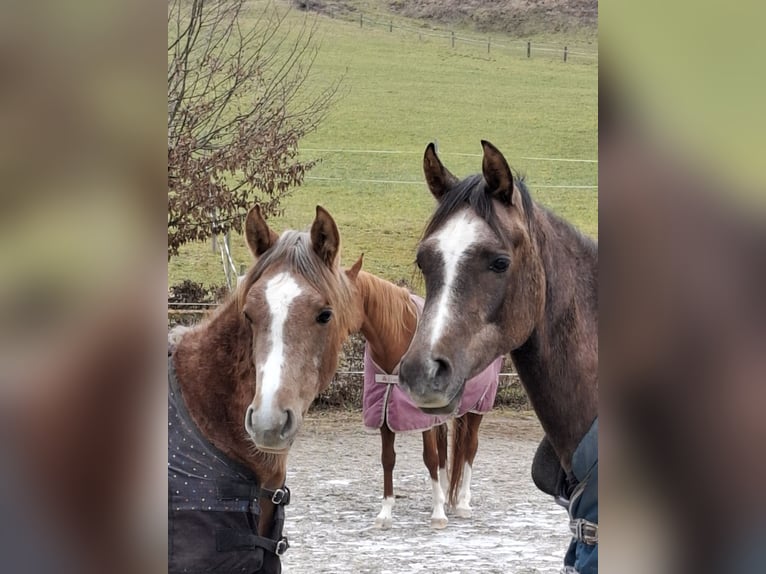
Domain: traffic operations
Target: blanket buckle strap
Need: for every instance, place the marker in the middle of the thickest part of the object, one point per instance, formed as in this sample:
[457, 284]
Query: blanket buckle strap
[282, 546]
[584, 531]
[281, 496]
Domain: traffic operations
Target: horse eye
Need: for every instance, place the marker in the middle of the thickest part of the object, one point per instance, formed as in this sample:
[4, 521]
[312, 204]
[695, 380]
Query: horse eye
[324, 316]
[247, 317]
[500, 265]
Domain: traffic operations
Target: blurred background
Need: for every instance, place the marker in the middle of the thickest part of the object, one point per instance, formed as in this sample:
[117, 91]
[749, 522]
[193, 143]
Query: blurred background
[83, 287]
[681, 213]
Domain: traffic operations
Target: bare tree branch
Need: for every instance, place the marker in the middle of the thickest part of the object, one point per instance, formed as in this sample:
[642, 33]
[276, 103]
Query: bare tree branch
[238, 104]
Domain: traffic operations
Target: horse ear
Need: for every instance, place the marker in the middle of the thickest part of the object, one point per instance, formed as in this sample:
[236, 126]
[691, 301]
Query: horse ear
[355, 268]
[497, 174]
[325, 238]
[438, 177]
[258, 234]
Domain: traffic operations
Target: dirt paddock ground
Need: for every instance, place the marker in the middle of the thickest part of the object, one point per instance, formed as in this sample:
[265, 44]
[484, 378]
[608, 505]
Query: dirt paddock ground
[336, 478]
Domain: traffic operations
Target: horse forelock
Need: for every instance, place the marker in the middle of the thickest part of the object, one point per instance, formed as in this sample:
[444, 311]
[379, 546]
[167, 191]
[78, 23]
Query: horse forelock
[294, 252]
[472, 192]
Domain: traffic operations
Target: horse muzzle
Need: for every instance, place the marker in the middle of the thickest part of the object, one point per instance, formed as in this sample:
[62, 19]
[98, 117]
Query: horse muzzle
[431, 383]
[273, 430]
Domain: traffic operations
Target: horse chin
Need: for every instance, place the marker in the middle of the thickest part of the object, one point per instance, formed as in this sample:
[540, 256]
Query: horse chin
[281, 450]
[278, 451]
[449, 408]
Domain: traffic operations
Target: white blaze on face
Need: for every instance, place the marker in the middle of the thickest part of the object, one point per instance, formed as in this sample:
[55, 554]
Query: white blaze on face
[452, 242]
[281, 291]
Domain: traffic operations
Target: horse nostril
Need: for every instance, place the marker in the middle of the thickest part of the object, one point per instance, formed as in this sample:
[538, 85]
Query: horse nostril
[249, 419]
[438, 367]
[289, 424]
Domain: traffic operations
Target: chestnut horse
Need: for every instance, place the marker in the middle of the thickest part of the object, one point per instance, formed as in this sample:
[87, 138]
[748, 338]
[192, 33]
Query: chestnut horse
[390, 317]
[245, 377]
[503, 274]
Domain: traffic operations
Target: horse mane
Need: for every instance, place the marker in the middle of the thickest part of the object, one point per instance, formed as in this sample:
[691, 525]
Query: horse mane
[473, 191]
[387, 303]
[294, 250]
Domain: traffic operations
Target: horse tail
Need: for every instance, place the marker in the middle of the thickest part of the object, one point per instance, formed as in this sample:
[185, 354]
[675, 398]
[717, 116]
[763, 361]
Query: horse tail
[457, 464]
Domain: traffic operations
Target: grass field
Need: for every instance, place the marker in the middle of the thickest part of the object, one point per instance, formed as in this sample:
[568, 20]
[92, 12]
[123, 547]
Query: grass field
[399, 93]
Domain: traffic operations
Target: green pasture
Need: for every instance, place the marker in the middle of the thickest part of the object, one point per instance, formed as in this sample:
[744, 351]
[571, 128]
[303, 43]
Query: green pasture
[399, 92]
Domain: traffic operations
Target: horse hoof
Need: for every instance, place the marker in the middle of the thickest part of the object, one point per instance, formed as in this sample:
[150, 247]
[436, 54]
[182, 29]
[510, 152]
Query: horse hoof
[383, 523]
[463, 512]
[438, 523]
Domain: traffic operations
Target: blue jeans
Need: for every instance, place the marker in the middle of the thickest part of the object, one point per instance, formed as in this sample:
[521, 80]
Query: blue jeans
[584, 502]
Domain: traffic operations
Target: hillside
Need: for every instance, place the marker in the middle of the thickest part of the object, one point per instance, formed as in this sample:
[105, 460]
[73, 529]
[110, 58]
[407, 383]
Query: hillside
[520, 17]
[517, 17]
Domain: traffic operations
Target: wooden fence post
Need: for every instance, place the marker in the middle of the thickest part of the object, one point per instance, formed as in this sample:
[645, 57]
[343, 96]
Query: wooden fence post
[565, 53]
[453, 39]
[390, 26]
[488, 41]
[529, 49]
[361, 20]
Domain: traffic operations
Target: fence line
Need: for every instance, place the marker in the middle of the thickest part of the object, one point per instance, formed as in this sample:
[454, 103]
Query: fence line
[509, 374]
[404, 152]
[420, 182]
[452, 37]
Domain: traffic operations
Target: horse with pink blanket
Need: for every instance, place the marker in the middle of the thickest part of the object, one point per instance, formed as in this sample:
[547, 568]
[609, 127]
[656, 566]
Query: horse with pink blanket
[390, 318]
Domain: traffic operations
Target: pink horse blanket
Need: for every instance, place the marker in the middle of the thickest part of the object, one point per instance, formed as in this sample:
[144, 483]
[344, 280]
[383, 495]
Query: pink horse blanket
[384, 401]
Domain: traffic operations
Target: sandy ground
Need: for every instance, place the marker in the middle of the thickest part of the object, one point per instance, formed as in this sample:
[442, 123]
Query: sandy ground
[335, 475]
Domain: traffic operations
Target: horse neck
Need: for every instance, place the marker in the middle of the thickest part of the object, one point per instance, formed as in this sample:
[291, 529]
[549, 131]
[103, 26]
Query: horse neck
[390, 318]
[558, 364]
[215, 372]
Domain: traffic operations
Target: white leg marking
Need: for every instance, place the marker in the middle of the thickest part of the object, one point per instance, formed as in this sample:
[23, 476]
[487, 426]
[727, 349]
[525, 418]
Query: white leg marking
[463, 508]
[281, 291]
[452, 241]
[443, 479]
[384, 518]
[438, 518]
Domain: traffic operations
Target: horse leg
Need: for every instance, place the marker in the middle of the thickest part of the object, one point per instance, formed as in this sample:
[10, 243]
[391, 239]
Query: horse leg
[431, 459]
[441, 443]
[388, 459]
[470, 444]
